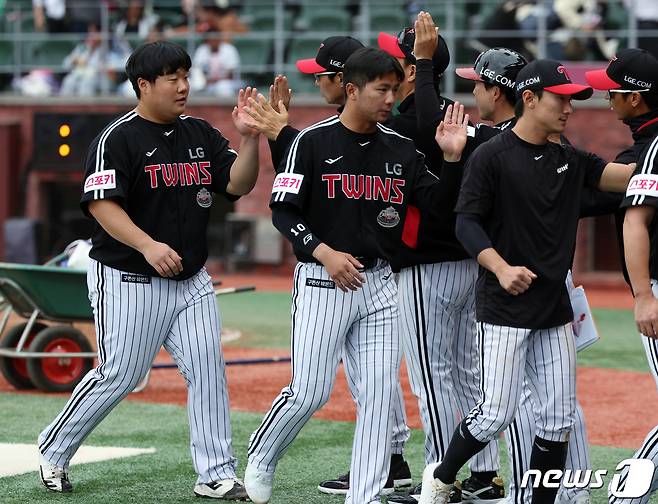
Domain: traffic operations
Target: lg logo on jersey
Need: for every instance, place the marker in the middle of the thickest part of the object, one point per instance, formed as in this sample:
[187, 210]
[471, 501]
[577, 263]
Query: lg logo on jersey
[636, 483]
[396, 169]
[197, 154]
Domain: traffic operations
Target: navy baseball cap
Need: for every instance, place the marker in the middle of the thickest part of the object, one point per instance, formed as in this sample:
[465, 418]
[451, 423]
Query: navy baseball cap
[629, 70]
[551, 76]
[331, 57]
[402, 46]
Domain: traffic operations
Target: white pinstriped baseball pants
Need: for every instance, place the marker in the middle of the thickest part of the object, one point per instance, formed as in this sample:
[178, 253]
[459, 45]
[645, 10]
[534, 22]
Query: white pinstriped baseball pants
[546, 358]
[520, 435]
[437, 329]
[325, 323]
[133, 320]
[649, 448]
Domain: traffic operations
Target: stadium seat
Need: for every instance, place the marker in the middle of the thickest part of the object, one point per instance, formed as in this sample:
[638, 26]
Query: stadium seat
[48, 53]
[302, 48]
[333, 20]
[266, 21]
[253, 52]
[6, 53]
[387, 20]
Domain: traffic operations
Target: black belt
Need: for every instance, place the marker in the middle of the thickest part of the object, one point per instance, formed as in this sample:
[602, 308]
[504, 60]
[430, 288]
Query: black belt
[367, 262]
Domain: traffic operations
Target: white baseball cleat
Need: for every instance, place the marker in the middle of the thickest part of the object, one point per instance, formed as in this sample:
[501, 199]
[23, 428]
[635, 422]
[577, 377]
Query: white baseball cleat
[53, 477]
[227, 489]
[258, 484]
[434, 491]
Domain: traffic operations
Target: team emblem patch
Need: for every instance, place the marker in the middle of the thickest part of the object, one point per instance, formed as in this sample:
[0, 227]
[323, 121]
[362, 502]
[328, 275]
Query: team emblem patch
[388, 218]
[204, 198]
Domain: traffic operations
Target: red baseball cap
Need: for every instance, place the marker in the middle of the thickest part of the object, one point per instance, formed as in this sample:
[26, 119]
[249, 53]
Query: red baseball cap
[552, 76]
[402, 46]
[630, 69]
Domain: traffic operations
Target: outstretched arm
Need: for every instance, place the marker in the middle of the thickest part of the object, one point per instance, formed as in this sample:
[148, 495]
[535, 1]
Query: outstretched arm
[244, 171]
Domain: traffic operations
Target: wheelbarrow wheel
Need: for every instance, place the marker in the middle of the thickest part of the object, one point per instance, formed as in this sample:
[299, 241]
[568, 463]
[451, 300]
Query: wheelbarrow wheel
[59, 374]
[15, 370]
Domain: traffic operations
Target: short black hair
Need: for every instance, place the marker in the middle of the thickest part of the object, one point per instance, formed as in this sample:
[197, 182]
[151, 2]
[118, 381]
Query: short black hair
[651, 99]
[368, 64]
[153, 59]
[508, 93]
[518, 106]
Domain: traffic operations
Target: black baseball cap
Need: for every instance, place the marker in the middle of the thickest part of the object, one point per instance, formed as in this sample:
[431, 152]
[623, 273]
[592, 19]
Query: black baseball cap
[331, 57]
[402, 46]
[629, 70]
[498, 66]
[551, 76]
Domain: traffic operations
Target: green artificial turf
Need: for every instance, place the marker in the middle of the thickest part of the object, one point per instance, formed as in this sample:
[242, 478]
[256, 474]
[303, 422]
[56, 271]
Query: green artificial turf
[322, 450]
[264, 319]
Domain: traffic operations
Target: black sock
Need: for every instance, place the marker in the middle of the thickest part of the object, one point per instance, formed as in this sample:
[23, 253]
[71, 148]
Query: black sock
[396, 458]
[547, 455]
[460, 450]
[484, 476]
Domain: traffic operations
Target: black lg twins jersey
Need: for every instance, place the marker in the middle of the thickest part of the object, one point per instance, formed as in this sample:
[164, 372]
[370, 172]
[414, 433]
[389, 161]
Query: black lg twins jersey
[353, 189]
[164, 177]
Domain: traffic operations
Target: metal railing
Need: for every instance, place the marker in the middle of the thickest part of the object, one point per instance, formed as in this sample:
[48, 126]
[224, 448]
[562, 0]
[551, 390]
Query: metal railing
[292, 28]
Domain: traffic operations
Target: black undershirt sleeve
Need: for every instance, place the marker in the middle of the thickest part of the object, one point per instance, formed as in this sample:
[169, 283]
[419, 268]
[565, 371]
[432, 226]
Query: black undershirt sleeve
[278, 147]
[471, 234]
[429, 112]
[290, 223]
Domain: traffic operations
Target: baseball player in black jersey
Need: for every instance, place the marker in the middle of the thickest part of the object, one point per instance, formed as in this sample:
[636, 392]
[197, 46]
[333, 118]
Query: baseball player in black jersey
[631, 80]
[494, 75]
[271, 119]
[518, 211]
[437, 277]
[150, 179]
[340, 198]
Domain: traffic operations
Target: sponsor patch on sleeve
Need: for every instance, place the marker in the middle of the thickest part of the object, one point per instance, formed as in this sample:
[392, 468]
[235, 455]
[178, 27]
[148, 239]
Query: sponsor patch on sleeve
[643, 185]
[105, 179]
[287, 183]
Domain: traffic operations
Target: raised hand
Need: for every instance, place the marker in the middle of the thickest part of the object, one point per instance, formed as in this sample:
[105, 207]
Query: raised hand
[280, 92]
[427, 36]
[452, 132]
[240, 116]
[264, 118]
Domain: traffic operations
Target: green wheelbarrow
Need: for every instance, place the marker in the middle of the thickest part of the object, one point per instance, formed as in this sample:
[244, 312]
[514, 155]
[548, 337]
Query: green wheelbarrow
[53, 357]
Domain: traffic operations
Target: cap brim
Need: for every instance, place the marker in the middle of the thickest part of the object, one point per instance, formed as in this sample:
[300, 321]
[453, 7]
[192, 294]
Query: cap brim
[468, 73]
[599, 79]
[577, 91]
[309, 66]
[389, 44]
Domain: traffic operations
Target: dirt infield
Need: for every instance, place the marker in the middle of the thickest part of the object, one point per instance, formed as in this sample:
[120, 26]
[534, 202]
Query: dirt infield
[614, 416]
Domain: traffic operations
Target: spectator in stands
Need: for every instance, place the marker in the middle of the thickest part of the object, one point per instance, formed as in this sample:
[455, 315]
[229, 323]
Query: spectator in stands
[222, 19]
[50, 16]
[646, 13]
[89, 64]
[215, 67]
[137, 20]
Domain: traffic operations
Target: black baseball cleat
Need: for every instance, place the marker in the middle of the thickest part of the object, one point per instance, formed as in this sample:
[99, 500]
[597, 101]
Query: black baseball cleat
[478, 491]
[53, 477]
[413, 496]
[399, 476]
